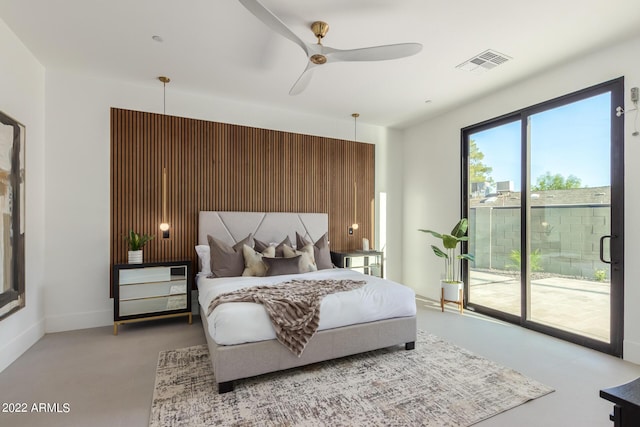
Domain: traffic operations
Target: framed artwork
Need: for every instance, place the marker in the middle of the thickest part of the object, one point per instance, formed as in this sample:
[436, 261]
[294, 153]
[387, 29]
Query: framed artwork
[12, 219]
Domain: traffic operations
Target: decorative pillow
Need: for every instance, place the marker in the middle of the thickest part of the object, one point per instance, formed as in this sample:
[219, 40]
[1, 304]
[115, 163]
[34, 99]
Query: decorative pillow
[227, 261]
[253, 265]
[307, 260]
[204, 259]
[321, 251]
[280, 266]
[261, 246]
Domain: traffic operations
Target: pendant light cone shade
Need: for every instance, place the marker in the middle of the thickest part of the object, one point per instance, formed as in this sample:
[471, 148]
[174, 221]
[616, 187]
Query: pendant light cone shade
[355, 186]
[164, 225]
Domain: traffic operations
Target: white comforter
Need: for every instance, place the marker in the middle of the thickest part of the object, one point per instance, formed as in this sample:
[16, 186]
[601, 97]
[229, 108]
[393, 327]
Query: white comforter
[241, 322]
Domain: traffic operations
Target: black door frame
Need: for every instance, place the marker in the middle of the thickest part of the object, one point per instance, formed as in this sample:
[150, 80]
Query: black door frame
[616, 87]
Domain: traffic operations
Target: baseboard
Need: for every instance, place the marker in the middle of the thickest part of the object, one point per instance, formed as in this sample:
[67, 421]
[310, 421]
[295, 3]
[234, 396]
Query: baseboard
[631, 351]
[73, 321]
[21, 343]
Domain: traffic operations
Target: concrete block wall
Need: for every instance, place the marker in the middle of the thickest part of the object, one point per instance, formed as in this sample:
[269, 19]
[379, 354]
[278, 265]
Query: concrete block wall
[567, 237]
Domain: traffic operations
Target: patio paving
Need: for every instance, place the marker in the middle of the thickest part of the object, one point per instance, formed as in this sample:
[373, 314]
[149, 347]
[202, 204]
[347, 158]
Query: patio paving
[579, 306]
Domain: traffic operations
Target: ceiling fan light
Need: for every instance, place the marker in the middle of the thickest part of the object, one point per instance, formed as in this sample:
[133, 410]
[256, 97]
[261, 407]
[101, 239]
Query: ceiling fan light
[318, 59]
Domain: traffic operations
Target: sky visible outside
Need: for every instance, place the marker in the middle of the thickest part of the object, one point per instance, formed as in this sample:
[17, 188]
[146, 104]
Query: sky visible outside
[574, 139]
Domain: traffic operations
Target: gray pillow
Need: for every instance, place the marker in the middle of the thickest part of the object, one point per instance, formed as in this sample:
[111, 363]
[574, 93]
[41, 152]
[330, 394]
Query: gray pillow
[227, 261]
[280, 266]
[320, 250]
[261, 246]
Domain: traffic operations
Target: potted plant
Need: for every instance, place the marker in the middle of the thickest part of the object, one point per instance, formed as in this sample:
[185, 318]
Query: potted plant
[451, 285]
[136, 242]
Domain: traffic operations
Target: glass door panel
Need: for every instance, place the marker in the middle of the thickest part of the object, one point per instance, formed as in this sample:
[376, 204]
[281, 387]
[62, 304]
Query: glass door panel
[494, 218]
[570, 211]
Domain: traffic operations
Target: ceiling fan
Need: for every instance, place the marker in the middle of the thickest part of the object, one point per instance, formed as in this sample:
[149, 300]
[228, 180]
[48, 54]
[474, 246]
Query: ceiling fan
[319, 54]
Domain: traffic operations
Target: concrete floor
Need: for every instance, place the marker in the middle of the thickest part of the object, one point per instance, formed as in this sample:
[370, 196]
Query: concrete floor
[574, 305]
[108, 380]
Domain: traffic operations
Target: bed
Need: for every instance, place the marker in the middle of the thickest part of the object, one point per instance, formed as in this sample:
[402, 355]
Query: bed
[240, 338]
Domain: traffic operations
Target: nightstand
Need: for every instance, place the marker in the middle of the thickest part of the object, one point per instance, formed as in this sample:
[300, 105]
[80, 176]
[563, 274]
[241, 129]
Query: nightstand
[367, 262]
[149, 291]
[626, 399]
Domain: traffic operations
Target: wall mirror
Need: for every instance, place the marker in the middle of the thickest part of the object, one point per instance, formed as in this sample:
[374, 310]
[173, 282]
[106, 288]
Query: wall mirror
[12, 194]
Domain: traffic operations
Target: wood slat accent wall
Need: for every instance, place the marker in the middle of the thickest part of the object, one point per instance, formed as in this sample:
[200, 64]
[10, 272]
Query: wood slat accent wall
[225, 167]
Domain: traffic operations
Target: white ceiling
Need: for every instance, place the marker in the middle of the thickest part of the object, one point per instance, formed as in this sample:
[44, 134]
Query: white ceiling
[217, 47]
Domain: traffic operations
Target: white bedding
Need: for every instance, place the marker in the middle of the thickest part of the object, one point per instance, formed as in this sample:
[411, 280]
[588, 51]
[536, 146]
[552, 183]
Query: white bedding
[242, 322]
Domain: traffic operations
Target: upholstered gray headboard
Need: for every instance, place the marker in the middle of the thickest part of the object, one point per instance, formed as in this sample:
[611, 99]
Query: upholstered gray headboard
[269, 227]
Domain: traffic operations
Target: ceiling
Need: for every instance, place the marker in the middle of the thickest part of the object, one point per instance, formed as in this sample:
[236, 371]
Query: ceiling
[216, 47]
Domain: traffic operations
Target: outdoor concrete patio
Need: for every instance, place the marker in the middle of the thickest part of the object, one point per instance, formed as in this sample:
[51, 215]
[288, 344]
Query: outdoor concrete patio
[579, 306]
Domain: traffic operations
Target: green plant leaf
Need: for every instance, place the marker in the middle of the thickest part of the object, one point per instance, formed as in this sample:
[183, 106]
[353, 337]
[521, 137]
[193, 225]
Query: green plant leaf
[439, 252]
[535, 260]
[461, 228]
[135, 241]
[433, 233]
[468, 257]
[449, 242]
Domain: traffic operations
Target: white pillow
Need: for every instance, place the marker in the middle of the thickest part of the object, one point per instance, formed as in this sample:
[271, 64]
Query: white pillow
[253, 260]
[307, 258]
[204, 256]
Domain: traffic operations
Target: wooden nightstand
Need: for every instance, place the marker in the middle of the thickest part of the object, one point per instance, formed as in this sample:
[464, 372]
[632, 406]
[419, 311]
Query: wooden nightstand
[367, 262]
[626, 399]
[153, 290]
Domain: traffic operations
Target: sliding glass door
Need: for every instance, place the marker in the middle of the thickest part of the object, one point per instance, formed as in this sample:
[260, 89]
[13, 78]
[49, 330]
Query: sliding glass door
[544, 195]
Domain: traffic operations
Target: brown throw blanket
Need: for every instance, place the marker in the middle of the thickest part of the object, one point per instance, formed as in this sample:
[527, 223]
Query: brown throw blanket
[293, 307]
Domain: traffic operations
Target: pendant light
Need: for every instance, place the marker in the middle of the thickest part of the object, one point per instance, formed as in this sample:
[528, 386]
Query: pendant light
[355, 185]
[164, 225]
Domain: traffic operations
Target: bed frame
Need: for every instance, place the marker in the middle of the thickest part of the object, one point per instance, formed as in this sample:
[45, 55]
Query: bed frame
[232, 362]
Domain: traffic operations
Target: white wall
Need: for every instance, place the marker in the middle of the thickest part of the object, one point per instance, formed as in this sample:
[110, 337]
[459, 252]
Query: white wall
[389, 156]
[432, 169]
[22, 98]
[77, 176]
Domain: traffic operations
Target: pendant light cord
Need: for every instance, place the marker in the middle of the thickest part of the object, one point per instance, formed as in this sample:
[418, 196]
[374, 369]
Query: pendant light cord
[355, 126]
[355, 185]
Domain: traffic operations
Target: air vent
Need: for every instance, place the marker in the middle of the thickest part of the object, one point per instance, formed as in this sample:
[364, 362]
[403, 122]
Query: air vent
[485, 61]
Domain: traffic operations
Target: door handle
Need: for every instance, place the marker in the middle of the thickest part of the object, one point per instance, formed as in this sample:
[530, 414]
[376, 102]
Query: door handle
[602, 249]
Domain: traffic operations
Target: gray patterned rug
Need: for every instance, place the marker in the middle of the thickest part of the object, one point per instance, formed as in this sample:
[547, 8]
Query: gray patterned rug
[437, 384]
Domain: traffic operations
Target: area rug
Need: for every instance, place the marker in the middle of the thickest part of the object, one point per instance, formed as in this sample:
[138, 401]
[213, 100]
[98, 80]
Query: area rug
[437, 384]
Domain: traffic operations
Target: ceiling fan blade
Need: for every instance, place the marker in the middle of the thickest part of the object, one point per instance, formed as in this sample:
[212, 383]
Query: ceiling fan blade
[303, 81]
[376, 53]
[272, 21]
